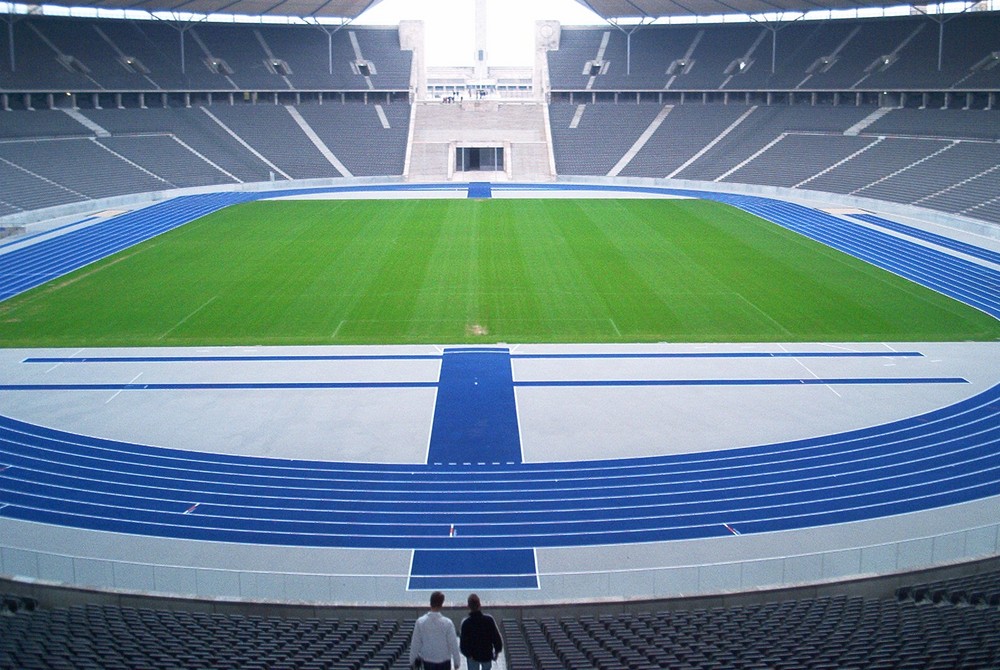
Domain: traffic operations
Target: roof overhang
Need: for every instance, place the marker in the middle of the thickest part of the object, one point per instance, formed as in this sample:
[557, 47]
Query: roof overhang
[654, 9]
[342, 9]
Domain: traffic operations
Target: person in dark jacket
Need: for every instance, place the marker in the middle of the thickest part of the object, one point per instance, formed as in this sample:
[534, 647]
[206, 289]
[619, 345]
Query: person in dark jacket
[480, 640]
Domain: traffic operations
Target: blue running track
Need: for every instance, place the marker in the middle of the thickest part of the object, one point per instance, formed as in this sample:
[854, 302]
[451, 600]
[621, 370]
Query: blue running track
[941, 458]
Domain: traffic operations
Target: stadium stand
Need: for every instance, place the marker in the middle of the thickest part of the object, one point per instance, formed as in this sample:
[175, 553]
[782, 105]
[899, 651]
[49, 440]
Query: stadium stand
[169, 159]
[820, 633]
[23, 190]
[358, 137]
[762, 127]
[162, 148]
[686, 131]
[95, 637]
[940, 159]
[82, 166]
[809, 55]
[103, 108]
[70, 54]
[194, 128]
[590, 148]
[272, 132]
[953, 163]
[40, 124]
[759, 138]
[979, 589]
[797, 157]
[944, 123]
[949, 623]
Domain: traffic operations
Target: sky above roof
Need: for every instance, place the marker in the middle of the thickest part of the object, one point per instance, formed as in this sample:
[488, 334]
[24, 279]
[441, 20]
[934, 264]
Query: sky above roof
[449, 26]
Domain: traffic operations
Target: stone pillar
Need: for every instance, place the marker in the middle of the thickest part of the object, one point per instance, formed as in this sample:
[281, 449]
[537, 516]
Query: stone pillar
[481, 60]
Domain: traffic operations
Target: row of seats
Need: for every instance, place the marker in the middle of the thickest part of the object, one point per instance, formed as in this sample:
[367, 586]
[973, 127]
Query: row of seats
[864, 54]
[948, 160]
[821, 633]
[165, 148]
[96, 637]
[980, 589]
[74, 54]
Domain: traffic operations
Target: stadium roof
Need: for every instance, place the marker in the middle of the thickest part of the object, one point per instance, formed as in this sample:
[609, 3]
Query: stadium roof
[606, 9]
[609, 9]
[345, 9]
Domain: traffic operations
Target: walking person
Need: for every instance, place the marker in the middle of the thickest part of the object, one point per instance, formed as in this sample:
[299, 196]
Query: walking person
[481, 642]
[434, 642]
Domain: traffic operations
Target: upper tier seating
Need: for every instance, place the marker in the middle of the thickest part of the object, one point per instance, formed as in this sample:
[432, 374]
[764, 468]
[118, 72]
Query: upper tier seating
[216, 57]
[851, 48]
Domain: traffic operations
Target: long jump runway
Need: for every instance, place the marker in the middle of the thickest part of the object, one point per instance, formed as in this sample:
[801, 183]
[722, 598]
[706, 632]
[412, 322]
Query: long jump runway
[530, 473]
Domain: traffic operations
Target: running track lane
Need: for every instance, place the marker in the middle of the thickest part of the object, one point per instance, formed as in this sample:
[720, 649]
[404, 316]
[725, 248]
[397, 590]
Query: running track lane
[944, 457]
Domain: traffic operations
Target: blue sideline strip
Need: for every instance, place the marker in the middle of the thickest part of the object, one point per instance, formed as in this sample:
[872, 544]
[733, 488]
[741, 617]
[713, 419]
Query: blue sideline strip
[430, 357]
[810, 381]
[474, 421]
[480, 189]
[230, 359]
[734, 354]
[471, 570]
[220, 386]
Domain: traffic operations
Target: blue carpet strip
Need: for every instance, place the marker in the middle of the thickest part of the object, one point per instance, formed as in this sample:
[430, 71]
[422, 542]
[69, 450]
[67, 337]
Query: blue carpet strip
[473, 569]
[480, 189]
[475, 421]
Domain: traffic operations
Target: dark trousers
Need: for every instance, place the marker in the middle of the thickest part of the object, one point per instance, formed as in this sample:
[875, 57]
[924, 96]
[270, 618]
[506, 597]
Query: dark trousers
[437, 666]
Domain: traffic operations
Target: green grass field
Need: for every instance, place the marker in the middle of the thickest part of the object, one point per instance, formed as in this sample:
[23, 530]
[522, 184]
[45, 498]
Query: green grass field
[459, 271]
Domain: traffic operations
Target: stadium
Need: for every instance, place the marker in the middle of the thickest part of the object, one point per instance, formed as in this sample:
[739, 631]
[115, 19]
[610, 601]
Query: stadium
[680, 346]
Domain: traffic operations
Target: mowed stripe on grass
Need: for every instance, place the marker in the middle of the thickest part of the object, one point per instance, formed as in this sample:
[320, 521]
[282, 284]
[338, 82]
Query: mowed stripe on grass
[461, 271]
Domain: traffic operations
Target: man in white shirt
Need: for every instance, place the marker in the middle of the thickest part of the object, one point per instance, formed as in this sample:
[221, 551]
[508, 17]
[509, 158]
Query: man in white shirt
[434, 640]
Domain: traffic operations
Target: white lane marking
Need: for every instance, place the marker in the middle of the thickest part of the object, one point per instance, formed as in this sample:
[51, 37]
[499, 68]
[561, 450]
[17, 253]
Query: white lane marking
[120, 390]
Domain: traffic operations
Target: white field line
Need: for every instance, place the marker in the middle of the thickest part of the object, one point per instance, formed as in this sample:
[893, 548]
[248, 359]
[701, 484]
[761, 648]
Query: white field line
[184, 320]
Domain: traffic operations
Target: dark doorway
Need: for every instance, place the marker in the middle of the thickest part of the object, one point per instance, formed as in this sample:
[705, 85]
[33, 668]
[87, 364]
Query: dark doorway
[479, 159]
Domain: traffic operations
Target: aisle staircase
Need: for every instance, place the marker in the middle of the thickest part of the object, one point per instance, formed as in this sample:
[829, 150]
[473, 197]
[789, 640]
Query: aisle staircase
[521, 128]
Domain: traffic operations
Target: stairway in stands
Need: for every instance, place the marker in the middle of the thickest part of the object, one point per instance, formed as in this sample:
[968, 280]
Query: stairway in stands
[521, 128]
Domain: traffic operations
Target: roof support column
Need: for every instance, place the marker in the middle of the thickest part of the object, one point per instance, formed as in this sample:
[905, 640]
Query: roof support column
[329, 39]
[10, 36]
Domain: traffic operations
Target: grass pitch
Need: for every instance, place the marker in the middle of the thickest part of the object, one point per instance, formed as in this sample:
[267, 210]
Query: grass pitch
[470, 271]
